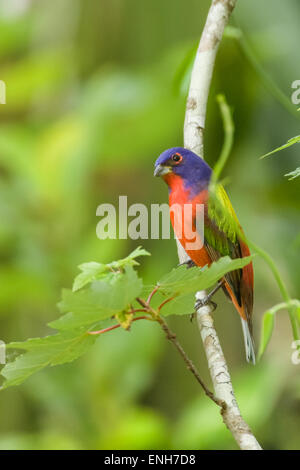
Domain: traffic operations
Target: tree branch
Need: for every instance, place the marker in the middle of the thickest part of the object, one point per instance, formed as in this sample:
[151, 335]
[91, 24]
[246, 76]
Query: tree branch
[195, 115]
[194, 125]
[222, 381]
[172, 337]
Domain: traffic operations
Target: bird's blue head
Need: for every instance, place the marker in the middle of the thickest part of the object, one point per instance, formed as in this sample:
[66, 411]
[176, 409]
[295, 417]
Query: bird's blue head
[193, 170]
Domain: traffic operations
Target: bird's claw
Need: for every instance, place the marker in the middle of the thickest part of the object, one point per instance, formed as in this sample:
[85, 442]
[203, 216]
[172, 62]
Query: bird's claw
[189, 263]
[203, 302]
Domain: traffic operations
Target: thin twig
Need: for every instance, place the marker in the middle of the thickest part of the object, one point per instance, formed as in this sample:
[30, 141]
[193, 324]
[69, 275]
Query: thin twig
[113, 327]
[152, 294]
[172, 337]
[164, 303]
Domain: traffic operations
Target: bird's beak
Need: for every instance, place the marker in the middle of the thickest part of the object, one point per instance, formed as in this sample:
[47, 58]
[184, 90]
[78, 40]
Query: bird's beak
[161, 170]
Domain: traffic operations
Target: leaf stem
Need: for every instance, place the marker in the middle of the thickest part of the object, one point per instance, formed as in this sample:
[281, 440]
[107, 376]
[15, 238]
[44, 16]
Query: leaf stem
[228, 126]
[172, 337]
[152, 294]
[164, 303]
[113, 327]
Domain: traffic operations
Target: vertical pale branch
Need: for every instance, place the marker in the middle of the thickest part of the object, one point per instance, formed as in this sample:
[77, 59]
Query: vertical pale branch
[195, 115]
[222, 381]
[194, 125]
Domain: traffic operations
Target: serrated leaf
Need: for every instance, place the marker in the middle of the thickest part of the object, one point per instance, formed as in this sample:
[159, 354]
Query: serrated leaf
[42, 352]
[292, 141]
[130, 259]
[100, 300]
[180, 305]
[184, 280]
[139, 251]
[182, 284]
[293, 174]
[90, 272]
[93, 271]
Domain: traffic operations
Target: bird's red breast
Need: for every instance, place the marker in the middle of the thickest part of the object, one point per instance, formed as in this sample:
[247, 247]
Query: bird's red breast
[183, 210]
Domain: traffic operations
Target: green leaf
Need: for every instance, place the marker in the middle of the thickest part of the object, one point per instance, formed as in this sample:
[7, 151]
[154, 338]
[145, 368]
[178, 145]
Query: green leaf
[90, 272]
[293, 174]
[100, 300]
[180, 305]
[185, 280]
[42, 352]
[269, 321]
[292, 141]
[182, 283]
[130, 260]
[93, 271]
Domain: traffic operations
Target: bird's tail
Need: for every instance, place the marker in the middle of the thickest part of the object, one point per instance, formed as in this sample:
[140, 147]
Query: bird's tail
[249, 344]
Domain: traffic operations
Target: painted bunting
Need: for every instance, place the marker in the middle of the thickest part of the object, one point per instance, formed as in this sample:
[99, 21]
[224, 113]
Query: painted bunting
[188, 177]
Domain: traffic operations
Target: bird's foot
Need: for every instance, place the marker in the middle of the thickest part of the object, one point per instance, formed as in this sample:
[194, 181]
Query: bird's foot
[204, 302]
[201, 302]
[189, 263]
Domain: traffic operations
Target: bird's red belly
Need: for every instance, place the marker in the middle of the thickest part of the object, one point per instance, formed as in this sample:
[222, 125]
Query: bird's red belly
[183, 216]
[200, 257]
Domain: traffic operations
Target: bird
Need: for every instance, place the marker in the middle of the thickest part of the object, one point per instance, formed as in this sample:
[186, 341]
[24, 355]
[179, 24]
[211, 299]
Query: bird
[188, 178]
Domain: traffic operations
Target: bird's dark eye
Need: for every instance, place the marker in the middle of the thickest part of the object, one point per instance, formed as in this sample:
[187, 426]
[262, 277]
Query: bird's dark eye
[176, 158]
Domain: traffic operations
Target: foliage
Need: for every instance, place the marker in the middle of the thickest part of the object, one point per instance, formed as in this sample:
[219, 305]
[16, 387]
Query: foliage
[41, 352]
[107, 291]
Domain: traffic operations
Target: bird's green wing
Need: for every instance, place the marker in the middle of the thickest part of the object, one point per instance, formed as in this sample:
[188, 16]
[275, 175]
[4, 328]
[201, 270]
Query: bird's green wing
[221, 234]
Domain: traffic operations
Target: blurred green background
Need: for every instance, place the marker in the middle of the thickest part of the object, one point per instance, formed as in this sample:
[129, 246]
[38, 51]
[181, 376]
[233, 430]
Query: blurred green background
[95, 92]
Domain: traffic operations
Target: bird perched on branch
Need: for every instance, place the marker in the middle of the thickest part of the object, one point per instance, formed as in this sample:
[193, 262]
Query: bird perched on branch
[188, 178]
